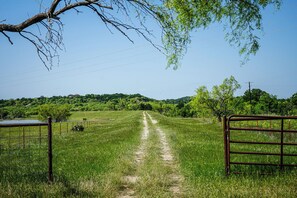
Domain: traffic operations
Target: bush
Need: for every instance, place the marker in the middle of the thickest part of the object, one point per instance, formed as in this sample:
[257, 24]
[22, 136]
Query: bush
[3, 113]
[78, 127]
[57, 112]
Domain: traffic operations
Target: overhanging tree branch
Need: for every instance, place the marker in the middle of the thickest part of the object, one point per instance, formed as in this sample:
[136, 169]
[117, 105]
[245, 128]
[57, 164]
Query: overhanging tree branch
[50, 21]
[175, 18]
[8, 38]
[47, 47]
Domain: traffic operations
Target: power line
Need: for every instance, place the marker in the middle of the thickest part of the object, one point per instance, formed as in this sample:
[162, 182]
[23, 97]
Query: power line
[102, 55]
[44, 79]
[68, 71]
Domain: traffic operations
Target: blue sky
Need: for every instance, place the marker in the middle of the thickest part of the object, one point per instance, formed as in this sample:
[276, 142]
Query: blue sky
[97, 61]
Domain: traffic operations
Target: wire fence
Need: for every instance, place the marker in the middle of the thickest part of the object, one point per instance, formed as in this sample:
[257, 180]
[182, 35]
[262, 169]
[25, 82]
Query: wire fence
[26, 149]
[25, 152]
[60, 128]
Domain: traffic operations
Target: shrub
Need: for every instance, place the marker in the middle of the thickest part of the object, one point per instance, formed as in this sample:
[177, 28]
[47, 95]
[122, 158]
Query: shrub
[57, 112]
[78, 127]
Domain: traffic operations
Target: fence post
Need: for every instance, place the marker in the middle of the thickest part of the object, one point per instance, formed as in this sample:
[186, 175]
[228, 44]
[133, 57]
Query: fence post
[282, 145]
[50, 154]
[225, 144]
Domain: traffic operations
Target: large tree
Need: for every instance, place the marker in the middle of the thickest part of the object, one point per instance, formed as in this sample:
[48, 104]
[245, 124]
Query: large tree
[176, 18]
[219, 101]
[57, 112]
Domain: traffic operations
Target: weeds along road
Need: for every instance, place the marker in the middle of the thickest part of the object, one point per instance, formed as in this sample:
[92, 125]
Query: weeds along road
[155, 173]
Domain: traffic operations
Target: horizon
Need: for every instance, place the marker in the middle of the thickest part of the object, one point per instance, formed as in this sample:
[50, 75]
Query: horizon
[77, 94]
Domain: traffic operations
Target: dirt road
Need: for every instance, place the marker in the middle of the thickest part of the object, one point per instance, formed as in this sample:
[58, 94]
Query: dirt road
[156, 172]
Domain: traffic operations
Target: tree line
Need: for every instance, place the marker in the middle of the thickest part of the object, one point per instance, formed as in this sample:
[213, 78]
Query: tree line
[218, 101]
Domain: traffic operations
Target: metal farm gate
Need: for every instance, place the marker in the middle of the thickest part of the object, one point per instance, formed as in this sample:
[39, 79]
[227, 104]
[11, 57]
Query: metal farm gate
[26, 152]
[261, 141]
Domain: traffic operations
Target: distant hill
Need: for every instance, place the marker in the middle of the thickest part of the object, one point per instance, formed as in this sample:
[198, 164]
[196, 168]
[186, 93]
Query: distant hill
[22, 107]
[185, 99]
[76, 98]
[73, 98]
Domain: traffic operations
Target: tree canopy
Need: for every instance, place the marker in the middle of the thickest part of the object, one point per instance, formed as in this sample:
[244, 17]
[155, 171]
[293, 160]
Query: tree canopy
[219, 101]
[242, 18]
[57, 112]
[176, 18]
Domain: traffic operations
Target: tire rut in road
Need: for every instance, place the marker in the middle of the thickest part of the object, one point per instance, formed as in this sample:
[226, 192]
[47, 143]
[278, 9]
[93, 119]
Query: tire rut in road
[168, 159]
[129, 182]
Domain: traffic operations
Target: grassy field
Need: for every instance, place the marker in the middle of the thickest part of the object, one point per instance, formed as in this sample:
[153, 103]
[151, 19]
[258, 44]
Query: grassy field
[93, 163]
[85, 164]
[198, 145]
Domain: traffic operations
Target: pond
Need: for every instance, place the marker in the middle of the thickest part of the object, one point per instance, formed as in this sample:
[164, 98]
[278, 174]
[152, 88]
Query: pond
[19, 121]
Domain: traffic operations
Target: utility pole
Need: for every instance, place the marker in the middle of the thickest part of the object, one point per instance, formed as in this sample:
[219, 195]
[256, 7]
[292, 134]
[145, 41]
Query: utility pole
[250, 94]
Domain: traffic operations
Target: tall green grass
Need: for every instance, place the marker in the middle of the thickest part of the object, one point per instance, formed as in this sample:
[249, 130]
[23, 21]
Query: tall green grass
[88, 163]
[198, 145]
